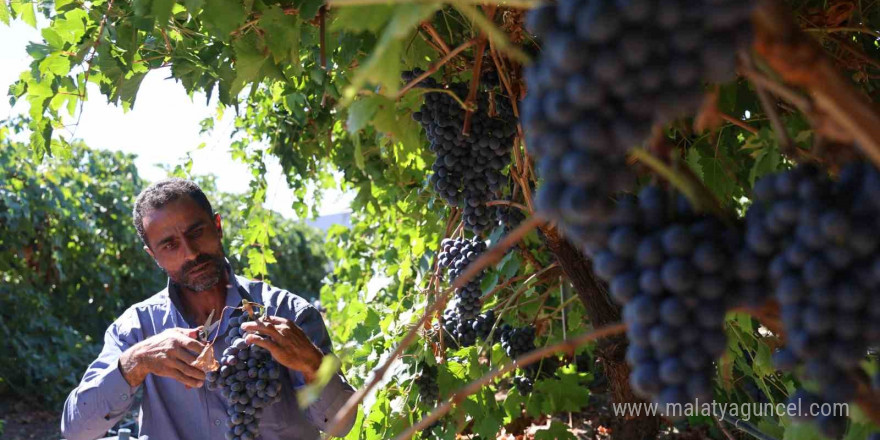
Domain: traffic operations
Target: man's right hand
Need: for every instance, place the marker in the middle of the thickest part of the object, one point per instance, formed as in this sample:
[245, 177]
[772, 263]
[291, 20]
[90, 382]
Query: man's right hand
[169, 354]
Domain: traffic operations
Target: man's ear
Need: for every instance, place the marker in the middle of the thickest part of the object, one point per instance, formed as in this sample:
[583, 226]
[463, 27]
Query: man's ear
[149, 251]
[218, 223]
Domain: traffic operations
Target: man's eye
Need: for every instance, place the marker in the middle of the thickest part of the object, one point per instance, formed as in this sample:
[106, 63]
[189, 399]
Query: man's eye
[170, 245]
[197, 232]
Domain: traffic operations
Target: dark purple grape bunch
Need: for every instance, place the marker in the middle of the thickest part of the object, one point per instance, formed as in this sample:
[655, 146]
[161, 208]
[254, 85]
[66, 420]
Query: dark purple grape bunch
[249, 380]
[429, 390]
[668, 267]
[468, 171]
[609, 71]
[456, 254]
[820, 239]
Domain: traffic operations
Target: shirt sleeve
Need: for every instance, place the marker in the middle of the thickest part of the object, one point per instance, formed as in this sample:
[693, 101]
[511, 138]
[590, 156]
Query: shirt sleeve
[338, 390]
[103, 396]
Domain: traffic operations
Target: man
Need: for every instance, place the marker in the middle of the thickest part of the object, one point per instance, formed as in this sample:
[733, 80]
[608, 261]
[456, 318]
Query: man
[153, 344]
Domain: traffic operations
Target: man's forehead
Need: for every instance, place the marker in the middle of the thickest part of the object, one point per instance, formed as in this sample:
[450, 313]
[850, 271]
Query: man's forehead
[181, 213]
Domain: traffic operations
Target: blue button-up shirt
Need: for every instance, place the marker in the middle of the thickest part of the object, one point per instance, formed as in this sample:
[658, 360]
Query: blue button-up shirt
[170, 411]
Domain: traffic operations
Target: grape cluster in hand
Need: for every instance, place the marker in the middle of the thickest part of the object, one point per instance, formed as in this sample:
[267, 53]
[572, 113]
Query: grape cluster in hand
[668, 268]
[469, 168]
[249, 380]
[609, 71]
[820, 240]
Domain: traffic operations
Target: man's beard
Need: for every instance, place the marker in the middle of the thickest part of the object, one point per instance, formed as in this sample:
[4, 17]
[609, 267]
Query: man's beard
[206, 279]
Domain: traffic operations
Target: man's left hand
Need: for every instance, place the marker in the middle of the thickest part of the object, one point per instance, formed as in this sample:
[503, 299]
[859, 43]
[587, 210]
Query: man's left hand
[287, 343]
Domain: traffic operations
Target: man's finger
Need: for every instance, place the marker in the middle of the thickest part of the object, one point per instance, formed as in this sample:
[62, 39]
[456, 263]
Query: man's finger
[276, 319]
[256, 326]
[174, 373]
[185, 355]
[191, 344]
[189, 371]
[266, 343]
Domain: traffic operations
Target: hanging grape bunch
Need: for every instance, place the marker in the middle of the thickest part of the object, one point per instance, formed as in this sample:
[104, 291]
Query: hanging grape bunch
[461, 313]
[469, 168]
[667, 267]
[609, 71]
[820, 238]
[249, 380]
[429, 391]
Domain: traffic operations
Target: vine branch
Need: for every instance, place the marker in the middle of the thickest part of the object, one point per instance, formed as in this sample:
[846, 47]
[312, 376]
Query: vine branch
[435, 67]
[529, 358]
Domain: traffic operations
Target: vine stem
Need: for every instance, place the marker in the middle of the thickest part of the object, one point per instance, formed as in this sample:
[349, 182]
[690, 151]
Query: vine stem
[738, 123]
[492, 256]
[785, 142]
[497, 252]
[519, 206]
[435, 66]
[429, 28]
[529, 358]
[475, 78]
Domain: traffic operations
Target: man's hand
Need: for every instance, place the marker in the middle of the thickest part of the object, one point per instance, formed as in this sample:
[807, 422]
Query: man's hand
[169, 354]
[287, 343]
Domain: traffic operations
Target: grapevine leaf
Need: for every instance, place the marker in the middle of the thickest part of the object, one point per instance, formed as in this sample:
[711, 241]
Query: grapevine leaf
[693, 160]
[221, 17]
[362, 18]
[25, 9]
[161, 11]
[4, 12]
[282, 33]
[556, 431]
[361, 112]
[309, 8]
[249, 61]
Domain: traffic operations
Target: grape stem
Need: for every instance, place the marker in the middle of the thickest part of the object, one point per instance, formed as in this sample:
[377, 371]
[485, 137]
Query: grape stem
[475, 78]
[435, 66]
[786, 145]
[519, 206]
[569, 345]
[429, 28]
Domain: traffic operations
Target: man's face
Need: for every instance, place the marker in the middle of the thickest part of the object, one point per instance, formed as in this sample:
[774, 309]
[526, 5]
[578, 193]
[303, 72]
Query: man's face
[185, 242]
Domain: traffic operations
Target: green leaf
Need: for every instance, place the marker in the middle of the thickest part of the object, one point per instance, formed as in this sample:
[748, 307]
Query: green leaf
[309, 8]
[4, 12]
[382, 68]
[361, 112]
[161, 11]
[693, 160]
[127, 92]
[556, 431]
[25, 9]
[193, 6]
[369, 18]
[221, 17]
[310, 393]
[55, 64]
[282, 34]
[249, 60]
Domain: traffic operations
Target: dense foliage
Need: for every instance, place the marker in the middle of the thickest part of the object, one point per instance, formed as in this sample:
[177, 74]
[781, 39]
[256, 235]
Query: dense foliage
[71, 261]
[620, 94]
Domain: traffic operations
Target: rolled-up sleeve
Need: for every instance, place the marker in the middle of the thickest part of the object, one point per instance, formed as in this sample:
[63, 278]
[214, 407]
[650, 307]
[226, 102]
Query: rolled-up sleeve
[103, 396]
[321, 412]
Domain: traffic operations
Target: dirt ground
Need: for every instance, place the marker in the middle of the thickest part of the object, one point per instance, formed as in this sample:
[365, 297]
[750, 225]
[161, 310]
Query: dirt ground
[24, 422]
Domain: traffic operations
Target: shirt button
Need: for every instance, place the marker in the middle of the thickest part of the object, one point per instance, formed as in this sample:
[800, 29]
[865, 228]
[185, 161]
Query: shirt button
[124, 396]
[217, 422]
